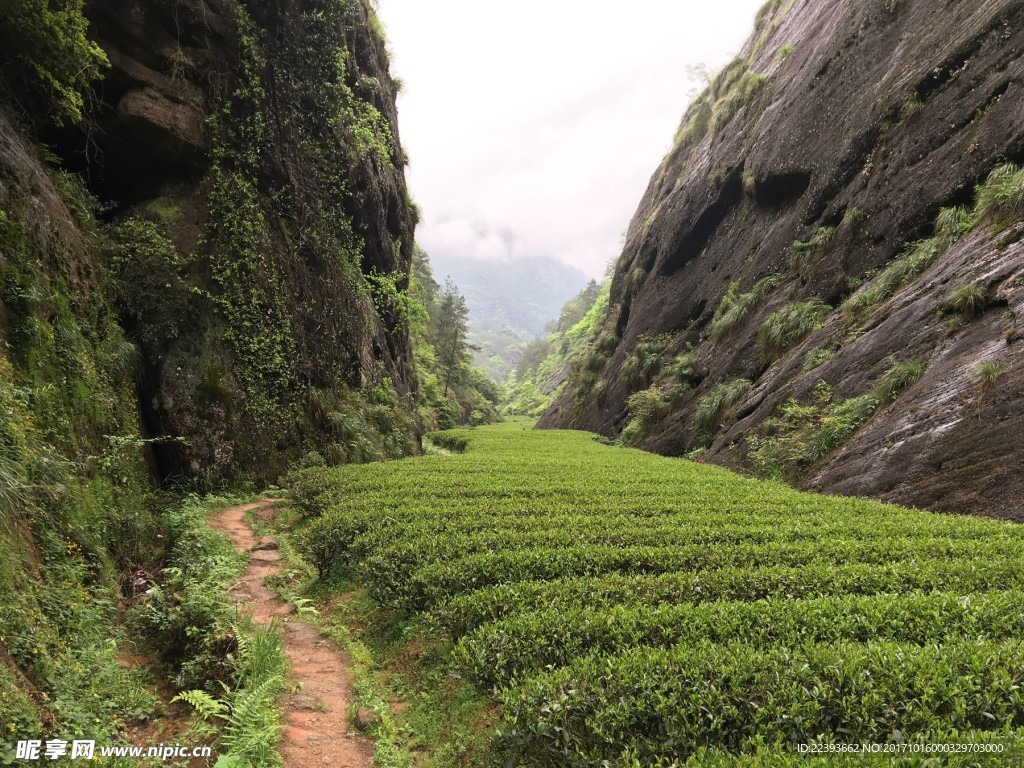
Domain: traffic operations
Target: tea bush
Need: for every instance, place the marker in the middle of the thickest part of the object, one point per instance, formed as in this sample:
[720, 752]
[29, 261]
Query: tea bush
[629, 609]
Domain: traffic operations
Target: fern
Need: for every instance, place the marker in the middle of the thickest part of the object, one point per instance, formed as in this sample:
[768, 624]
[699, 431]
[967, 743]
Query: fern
[253, 727]
[203, 703]
[305, 605]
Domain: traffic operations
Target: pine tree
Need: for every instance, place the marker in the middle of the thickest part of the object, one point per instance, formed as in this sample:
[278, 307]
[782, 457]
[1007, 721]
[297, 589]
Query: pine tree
[450, 330]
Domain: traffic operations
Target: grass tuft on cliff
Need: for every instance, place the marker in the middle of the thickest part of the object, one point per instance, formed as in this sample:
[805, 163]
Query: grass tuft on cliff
[787, 326]
[1001, 196]
[714, 407]
[735, 307]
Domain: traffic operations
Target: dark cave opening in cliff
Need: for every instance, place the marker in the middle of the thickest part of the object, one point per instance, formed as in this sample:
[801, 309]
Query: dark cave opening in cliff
[782, 189]
[122, 162]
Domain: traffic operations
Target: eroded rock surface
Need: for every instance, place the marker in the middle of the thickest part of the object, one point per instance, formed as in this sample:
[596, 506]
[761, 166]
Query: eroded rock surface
[868, 117]
[262, 142]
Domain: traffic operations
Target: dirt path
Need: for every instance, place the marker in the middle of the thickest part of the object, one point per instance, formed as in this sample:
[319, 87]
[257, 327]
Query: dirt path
[317, 716]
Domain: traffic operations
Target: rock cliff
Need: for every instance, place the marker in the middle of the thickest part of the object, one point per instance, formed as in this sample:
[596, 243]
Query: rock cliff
[257, 227]
[825, 278]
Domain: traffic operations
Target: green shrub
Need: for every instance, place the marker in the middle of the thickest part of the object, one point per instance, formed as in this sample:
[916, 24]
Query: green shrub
[606, 343]
[147, 276]
[680, 367]
[245, 723]
[817, 356]
[360, 426]
[793, 322]
[645, 408]
[309, 488]
[450, 441]
[952, 223]
[74, 511]
[730, 313]
[644, 362]
[594, 592]
[841, 421]
[954, 687]
[597, 359]
[191, 615]
[986, 374]
[526, 399]
[679, 371]
[798, 435]
[47, 58]
[525, 645]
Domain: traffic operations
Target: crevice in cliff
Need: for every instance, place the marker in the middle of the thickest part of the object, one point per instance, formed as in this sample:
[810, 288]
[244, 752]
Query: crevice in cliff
[851, 163]
[782, 189]
[730, 194]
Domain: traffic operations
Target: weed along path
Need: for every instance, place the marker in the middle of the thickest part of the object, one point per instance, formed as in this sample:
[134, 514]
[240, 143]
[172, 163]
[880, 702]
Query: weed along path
[317, 711]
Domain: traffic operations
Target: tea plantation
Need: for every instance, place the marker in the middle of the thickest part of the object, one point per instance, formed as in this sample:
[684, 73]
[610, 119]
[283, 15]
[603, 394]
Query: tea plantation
[626, 609]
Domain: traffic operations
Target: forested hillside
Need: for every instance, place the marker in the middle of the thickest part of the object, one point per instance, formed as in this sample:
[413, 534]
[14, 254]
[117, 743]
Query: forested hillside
[823, 282]
[511, 303]
[452, 390]
[545, 363]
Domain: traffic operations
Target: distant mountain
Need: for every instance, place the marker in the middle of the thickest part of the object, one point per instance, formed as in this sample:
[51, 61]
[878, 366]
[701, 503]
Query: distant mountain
[510, 302]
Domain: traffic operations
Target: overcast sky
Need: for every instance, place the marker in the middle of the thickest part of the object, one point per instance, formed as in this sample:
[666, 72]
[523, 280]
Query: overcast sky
[534, 126]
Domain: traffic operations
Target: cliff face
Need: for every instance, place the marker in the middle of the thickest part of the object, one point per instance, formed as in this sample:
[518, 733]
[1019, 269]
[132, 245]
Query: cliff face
[825, 278]
[261, 228]
[204, 236]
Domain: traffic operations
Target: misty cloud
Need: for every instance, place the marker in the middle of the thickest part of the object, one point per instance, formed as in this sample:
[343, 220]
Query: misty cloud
[534, 127]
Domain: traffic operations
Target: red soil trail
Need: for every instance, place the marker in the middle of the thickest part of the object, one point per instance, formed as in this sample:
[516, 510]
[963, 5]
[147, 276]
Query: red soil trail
[317, 730]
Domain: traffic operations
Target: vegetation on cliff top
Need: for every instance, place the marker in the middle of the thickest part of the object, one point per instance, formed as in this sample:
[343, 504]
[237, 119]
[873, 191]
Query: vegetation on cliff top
[452, 391]
[568, 350]
[47, 61]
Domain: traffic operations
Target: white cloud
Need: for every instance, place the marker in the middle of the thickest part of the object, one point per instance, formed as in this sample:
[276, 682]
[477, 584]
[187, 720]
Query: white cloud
[534, 126]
